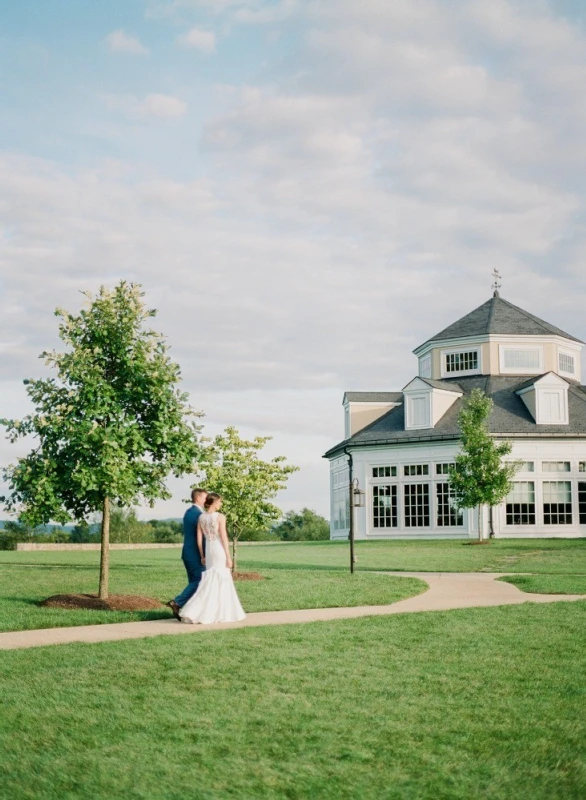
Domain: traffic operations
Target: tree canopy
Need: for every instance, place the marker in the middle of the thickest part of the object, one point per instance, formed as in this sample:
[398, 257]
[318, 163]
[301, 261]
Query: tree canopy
[232, 467]
[302, 526]
[110, 427]
[480, 477]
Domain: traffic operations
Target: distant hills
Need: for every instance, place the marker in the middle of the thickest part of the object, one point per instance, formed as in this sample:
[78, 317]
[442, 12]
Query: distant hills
[41, 528]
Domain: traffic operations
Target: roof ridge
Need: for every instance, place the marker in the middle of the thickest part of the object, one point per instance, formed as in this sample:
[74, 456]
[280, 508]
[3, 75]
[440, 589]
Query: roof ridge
[432, 381]
[492, 309]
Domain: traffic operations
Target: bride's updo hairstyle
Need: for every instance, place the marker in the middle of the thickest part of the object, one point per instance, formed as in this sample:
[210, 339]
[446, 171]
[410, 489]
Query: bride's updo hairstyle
[210, 500]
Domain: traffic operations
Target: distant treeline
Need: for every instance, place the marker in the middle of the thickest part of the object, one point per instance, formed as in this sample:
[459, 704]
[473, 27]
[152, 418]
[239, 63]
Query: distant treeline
[296, 526]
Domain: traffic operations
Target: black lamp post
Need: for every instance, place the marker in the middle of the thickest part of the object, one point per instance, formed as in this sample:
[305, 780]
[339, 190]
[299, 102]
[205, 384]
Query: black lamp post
[356, 501]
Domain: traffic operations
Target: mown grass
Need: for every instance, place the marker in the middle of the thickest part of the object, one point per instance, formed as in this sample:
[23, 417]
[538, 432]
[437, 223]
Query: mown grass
[300, 575]
[549, 584]
[478, 703]
[23, 586]
[564, 556]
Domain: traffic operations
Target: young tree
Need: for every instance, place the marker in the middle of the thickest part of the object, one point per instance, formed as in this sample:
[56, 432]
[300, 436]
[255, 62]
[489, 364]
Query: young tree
[110, 426]
[479, 477]
[232, 467]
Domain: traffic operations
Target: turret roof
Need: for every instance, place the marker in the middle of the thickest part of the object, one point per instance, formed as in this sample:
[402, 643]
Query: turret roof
[498, 316]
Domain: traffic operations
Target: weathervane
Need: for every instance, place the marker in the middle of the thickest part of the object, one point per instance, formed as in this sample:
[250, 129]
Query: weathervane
[497, 281]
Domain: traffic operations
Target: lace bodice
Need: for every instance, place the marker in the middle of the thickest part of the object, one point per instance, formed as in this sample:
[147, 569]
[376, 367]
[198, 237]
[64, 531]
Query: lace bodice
[210, 525]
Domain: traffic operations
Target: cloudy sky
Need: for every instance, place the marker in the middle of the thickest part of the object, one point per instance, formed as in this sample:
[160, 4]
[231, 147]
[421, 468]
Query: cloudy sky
[306, 189]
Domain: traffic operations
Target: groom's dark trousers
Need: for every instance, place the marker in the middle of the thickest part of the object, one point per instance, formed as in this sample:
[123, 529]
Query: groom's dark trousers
[190, 555]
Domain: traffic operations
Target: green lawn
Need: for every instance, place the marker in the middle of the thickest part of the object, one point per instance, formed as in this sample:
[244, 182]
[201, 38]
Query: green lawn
[549, 584]
[478, 703]
[298, 575]
[22, 586]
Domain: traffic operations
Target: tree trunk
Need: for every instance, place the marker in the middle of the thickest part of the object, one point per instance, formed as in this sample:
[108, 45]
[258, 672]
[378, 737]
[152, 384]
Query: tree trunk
[105, 551]
[480, 536]
[234, 544]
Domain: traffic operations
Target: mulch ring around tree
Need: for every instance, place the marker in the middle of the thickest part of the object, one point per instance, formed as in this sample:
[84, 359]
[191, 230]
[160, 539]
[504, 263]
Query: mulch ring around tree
[115, 602]
[248, 576]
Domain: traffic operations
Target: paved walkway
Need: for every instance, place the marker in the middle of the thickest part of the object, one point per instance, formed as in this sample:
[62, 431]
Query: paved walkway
[447, 590]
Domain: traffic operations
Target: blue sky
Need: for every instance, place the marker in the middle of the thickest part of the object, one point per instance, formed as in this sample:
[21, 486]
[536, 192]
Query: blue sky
[307, 189]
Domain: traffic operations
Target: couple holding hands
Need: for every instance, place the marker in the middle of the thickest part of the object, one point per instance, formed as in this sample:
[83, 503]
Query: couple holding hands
[210, 595]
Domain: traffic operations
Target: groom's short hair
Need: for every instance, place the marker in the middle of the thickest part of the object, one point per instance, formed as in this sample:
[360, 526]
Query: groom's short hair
[195, 492]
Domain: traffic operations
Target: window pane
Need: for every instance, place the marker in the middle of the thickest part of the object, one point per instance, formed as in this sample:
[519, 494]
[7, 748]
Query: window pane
[384, 506]
[566, 363]
[555, 466]
[416, 469]
[443, 469]
[521, 359]
[447, 514]
[416, 505]
[384, 472]
[582, 503]
[462, 362]
[557, 503]
[520, 504]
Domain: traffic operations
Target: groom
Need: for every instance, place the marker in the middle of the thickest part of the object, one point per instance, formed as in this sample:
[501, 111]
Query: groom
[190, 553]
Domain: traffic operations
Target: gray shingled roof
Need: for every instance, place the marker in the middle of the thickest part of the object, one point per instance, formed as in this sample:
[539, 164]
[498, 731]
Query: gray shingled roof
[448, 386]
[510, 417]
[374, 397]
[498, 316]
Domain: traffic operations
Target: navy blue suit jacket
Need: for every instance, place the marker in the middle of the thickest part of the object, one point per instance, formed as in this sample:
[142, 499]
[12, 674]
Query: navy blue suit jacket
[190, 553]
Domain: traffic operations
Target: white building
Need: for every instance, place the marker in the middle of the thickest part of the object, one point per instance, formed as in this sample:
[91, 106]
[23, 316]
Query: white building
[399, 445]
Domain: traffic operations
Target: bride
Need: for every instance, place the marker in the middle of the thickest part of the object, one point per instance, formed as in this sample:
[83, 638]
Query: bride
[216, 599]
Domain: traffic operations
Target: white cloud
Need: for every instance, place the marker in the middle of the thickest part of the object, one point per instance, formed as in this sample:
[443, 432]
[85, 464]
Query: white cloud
[161, 106]
[199, 39]
[356, 202]
[265, 13]
[120, 42]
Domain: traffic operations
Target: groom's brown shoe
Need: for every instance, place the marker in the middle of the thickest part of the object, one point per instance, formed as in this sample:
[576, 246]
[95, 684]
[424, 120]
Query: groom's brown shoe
[174, 608]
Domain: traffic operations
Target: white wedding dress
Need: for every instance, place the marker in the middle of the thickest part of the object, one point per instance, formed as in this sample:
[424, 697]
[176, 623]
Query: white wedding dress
[216, 599]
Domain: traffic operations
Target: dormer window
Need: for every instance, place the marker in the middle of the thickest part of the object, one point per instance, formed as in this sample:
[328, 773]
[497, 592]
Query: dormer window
[418, 411]
[546, 399]
[551, 406]
[460, 362]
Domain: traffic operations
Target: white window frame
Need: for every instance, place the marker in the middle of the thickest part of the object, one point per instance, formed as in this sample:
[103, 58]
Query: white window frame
[562, 352]
[503, 348]
[462, 349]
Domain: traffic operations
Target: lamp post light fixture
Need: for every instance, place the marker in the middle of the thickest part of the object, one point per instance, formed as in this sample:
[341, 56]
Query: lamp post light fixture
[357, 497]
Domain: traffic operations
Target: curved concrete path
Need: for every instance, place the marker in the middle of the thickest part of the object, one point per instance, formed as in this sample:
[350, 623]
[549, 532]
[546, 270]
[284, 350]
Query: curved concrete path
[447, 590]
